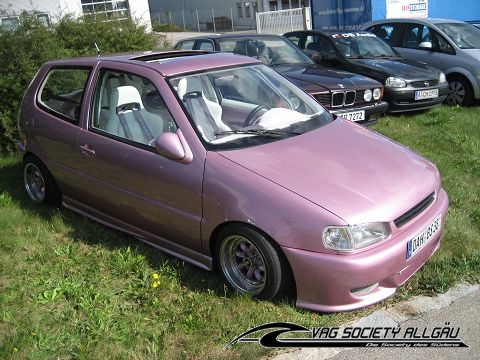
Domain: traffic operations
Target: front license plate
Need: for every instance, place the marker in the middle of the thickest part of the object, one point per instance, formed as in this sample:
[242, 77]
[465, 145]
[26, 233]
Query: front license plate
[426, 94]
[415, 244]
[354, 115]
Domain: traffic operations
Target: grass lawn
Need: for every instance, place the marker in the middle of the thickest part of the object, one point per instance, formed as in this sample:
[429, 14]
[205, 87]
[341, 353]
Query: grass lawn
[71, 288]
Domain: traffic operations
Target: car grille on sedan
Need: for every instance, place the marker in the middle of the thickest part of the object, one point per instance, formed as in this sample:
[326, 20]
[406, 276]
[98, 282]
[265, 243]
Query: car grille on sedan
[413, 212]
[339, 99]
[424, 83]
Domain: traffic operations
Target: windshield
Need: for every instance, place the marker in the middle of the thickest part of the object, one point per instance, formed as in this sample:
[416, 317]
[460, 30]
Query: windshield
[362, 45]
[270, 50]
[247, 106]
[465, 36]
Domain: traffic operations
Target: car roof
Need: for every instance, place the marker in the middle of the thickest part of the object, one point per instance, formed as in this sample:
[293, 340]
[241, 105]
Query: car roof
[165, 62]
[233, 35]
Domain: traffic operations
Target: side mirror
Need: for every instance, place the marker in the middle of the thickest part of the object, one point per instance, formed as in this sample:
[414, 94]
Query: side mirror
[173, 146]
[425, 45]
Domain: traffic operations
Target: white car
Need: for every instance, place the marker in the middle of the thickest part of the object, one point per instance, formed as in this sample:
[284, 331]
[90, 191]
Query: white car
[449, 45]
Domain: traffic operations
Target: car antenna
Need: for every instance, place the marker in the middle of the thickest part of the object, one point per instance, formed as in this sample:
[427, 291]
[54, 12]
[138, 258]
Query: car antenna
[97, 48]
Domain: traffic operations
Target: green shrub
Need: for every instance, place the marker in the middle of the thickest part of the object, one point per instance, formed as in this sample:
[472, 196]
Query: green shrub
[25, 48]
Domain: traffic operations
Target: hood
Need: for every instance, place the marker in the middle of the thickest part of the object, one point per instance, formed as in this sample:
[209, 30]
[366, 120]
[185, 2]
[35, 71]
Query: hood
[474, 53]
[401, 67]
[312, 77]
[349, 170]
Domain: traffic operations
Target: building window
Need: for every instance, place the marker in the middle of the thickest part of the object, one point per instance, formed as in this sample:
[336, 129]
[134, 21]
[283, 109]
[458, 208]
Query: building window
[239, 9]
[111, 9]
[273, 5]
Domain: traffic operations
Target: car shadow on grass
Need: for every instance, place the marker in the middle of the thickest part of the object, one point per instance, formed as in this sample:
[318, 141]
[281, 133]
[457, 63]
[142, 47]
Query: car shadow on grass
[93, 233]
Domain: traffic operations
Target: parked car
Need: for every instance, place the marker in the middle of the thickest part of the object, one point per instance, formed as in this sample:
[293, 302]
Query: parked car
[449, 45]
[351, 96]
[223, 162]
[475, 23]
[409, 85]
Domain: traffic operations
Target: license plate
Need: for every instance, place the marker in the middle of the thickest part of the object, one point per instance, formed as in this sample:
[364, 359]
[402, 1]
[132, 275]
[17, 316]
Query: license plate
[354, 115]
[415, 244]
[426, 94]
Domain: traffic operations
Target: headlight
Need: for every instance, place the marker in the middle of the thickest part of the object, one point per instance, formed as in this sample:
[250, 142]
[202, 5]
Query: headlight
[354, 237]
[395, 82]
[442, 78]
[377, 94]
[367, 95]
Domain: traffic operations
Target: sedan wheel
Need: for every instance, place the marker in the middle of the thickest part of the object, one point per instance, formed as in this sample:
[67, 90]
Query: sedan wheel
[249, 263]
[38, 182]
[460, 92]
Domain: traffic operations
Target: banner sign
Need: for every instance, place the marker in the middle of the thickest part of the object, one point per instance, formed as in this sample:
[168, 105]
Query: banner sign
[407, 9]
[340, 14]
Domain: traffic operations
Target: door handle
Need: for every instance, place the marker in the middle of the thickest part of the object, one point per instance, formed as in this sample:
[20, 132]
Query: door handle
[86, 151]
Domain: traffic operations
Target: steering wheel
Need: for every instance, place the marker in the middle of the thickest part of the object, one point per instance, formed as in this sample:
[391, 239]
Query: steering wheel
[252, 113]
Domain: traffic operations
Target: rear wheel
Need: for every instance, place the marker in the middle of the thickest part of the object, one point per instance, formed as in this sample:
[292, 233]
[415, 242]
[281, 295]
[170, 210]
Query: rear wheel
[250, 263]
[461, 92]
[38, 182]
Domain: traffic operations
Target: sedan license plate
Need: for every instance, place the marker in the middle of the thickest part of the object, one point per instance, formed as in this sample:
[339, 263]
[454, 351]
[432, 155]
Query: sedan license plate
[354, 115]
[426, 94]
[415, 244]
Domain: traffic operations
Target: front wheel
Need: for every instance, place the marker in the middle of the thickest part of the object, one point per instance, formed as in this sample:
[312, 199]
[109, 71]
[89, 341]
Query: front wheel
[461, 93]
[38, 182]
[250, 263]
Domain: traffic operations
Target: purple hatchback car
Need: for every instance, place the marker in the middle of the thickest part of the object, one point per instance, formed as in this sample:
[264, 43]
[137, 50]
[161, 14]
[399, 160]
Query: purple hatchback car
[221, 161]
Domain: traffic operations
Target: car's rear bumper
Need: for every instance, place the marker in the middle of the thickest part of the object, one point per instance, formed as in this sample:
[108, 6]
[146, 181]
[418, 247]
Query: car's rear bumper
[330, 282]
[372, 112]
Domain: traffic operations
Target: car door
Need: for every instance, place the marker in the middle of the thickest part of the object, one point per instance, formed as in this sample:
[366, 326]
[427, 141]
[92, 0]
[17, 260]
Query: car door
[56, 124]
[128, 184]
[425, 44]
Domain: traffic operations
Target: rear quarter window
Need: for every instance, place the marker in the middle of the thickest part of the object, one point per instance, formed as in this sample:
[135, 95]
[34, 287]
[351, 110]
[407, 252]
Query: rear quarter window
[62, 92]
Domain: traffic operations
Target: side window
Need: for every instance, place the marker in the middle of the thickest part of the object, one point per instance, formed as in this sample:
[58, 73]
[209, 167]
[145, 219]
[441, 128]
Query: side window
[384, 32]
[296, 39]
[186, 45]
[204, 45]
[416, 34]
[443, 45]
[440, 44]
[62, 92]
[130, 107]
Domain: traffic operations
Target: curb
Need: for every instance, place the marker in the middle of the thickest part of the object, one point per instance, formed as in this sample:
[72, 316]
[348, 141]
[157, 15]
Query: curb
[391, 317]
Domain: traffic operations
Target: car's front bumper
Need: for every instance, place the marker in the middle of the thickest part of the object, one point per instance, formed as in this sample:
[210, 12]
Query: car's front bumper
[330, 282]
[403, 99]
[372, 112]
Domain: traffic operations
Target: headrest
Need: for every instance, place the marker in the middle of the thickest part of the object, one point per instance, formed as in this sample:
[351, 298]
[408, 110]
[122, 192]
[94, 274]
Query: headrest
[126, 95]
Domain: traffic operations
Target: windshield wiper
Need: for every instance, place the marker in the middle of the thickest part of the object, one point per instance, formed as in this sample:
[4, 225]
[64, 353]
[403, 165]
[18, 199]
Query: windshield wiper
[259, 132]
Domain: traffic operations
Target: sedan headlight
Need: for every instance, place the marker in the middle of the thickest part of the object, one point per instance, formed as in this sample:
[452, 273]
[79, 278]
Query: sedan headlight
[442, 78]
[377, 94]
[395, 82]
[354, 237]
[367, 95]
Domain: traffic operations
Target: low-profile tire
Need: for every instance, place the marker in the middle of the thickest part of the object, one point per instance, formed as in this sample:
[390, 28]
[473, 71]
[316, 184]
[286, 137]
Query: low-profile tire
[250, 264]
[461, 92]
[38, 182]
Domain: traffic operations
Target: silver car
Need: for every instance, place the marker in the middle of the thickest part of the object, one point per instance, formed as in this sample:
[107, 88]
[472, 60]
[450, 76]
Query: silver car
[450, 45]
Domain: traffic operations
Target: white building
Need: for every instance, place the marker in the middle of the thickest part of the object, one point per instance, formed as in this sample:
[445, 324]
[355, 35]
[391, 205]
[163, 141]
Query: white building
[49, 10]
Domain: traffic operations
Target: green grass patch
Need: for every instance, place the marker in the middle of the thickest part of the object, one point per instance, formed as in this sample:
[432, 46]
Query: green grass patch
[71, 288]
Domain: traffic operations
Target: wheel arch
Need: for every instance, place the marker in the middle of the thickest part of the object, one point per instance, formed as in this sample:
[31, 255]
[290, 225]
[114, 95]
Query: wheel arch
[214, 241]
[461, 72]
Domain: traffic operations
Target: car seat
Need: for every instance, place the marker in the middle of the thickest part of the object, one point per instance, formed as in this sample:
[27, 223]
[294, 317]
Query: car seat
[128, 117]
[206, 113]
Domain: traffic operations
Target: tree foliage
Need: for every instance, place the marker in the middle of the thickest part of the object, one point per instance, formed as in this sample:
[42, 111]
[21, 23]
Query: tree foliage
[24, 48]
